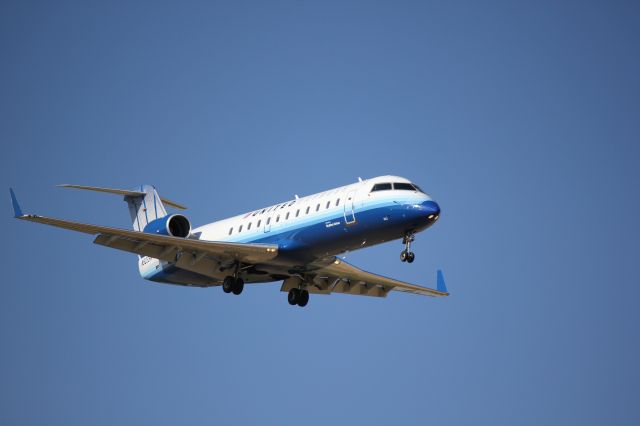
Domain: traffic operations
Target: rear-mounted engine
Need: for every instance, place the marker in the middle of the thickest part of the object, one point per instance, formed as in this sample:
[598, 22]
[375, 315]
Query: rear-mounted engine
[175, 225]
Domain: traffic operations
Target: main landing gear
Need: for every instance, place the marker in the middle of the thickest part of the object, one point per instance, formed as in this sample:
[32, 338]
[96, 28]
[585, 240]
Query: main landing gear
[233, 284]
[407, 255]
[298, 297]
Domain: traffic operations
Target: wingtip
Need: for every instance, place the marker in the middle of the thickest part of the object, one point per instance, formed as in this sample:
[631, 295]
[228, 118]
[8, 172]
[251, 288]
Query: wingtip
[17, 211]
[440, 285]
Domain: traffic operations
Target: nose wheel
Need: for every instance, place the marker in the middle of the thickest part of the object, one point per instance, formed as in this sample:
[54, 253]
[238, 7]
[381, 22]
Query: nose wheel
[407, 255]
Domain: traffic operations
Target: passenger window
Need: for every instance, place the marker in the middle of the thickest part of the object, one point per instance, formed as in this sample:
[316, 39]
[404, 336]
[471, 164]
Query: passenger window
[240, 229]
[287, 216]
[249, 226]
[403, 186]
[297, 212]
[292, 203]
[258, 225]
[337, 202]
[381, 187]
[318, 207]
[278, 218]
[230, 230]
[308, 207]
[328, 204]
[268, 220]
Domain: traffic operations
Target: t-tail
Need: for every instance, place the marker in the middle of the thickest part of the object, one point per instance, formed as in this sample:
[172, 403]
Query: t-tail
[145, 205]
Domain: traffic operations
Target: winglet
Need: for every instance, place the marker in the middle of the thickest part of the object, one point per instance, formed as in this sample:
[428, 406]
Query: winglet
[440, 285]
[17, 211]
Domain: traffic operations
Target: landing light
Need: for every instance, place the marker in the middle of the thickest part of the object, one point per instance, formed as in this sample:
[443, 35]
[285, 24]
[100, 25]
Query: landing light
[430, 217]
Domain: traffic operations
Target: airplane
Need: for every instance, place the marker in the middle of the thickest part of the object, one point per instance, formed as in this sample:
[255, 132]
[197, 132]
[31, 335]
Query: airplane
[297, 242]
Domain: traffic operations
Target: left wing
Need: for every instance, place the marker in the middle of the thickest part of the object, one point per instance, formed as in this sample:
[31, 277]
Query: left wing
[188, 253]
[341, 277]
[163, 246]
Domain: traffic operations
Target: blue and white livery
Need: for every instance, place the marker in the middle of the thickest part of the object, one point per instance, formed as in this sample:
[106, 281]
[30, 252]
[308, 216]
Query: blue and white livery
[296, 242]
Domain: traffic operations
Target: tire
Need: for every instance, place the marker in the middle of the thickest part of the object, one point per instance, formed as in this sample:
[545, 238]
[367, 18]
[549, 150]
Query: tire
[294, 296]
[227, 284]
[303, 299]
[403, 256]
[411, 257]
[238, 286]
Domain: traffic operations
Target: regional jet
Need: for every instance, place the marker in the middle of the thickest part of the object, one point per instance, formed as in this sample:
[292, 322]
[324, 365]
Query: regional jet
[297, 242]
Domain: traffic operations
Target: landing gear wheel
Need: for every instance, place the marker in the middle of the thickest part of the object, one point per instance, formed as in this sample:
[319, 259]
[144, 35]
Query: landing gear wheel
[227, 284]
[238, 286]
[294, 296]
[407, 255]
[303, 299]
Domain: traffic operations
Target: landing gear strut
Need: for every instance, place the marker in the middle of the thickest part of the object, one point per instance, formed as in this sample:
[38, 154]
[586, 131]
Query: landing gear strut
[298, 297]
[233, 284]
[407, 255]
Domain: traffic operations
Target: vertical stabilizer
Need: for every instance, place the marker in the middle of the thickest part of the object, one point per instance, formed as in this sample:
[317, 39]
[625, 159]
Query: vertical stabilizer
[144, 208]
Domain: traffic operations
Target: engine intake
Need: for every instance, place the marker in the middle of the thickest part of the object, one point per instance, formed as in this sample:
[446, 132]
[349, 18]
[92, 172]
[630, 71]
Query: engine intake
[175, 225]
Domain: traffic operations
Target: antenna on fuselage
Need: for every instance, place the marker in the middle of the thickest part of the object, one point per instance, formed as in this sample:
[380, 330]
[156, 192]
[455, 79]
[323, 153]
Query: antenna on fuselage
[359, 179]
[297, 198]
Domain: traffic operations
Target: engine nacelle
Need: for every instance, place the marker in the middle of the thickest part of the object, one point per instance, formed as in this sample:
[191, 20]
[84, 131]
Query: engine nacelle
[175, 225]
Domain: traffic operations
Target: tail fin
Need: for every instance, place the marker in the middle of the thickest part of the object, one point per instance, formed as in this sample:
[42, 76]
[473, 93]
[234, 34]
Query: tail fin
[144, 203]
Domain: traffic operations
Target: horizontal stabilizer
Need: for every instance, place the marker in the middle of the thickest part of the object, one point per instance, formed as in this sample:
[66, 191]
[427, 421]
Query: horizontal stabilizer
[108, 190]
[125, 192]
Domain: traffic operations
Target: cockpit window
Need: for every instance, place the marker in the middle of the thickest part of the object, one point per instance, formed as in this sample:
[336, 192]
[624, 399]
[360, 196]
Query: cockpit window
[403, 186]
[381, 187]
[418, 188]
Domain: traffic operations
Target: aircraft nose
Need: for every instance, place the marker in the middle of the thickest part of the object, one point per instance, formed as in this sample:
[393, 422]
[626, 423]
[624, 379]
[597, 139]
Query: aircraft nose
[431, 210]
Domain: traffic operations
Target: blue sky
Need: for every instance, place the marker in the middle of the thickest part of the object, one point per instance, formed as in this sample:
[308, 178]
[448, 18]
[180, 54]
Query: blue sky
[521, 119]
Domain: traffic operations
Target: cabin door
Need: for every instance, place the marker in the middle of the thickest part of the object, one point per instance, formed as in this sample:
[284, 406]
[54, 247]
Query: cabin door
[349, 213]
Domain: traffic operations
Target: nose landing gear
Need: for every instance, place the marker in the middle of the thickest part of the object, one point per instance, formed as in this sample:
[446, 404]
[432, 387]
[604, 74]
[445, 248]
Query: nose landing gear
[407, 255]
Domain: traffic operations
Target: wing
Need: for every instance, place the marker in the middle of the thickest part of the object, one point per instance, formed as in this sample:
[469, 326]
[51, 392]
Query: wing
[341, 277]
[190, 254]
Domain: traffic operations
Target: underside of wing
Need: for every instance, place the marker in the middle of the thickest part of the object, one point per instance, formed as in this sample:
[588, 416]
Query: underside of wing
[341, 277]
[197, 254]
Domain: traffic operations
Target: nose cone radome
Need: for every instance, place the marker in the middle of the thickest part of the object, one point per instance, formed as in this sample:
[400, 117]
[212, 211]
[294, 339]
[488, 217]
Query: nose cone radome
[431, 210]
